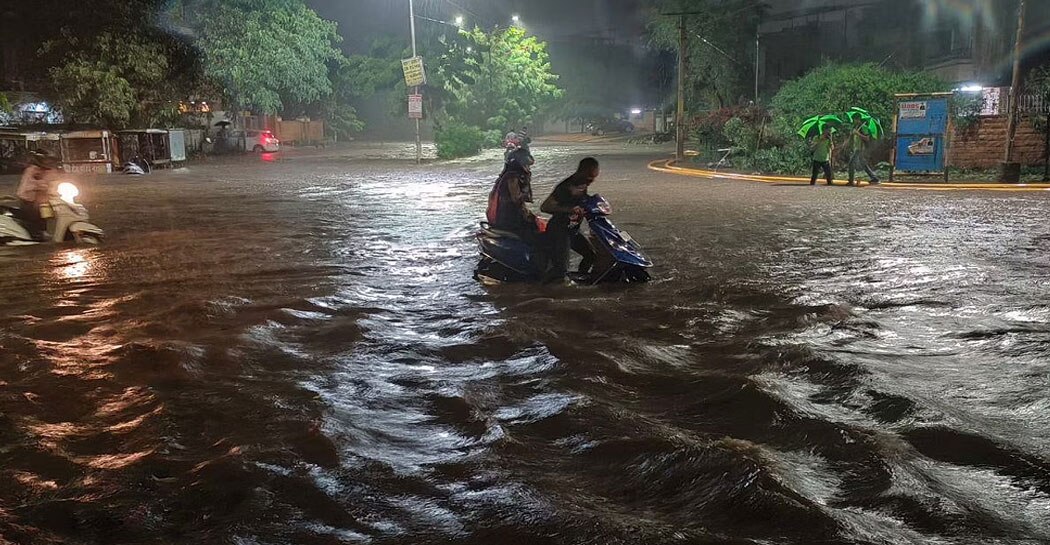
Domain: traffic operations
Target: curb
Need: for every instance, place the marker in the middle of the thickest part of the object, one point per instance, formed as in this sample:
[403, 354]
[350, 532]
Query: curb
[667, 166]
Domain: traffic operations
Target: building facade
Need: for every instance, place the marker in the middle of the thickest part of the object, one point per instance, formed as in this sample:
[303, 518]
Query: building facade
[962, 41]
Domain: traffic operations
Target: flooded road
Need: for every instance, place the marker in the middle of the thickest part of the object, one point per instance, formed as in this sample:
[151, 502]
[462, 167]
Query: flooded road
[294, 352]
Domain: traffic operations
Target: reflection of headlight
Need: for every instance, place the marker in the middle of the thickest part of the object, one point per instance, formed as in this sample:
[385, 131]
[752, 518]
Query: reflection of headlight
[68, 192]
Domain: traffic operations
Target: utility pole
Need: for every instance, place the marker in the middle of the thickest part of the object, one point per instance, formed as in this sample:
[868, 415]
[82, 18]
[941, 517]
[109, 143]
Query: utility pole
[412, 25]
[680, 115]
[756, 66]
[1011, 171]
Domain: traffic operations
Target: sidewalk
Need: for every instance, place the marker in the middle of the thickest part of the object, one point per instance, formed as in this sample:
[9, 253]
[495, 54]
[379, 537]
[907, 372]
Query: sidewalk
[669, 166]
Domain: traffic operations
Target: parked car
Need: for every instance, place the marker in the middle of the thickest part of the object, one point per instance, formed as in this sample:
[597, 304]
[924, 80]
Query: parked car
[603, 127]
[261, 141]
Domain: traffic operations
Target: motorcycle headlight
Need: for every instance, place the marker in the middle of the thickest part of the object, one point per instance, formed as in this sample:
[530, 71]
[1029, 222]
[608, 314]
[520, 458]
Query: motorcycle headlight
[68, 192]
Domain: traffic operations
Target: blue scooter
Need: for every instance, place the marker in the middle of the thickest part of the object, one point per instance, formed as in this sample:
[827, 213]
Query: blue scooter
[505, 257]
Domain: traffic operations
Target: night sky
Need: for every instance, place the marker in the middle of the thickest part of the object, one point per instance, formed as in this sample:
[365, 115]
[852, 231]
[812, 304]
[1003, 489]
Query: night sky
[551, 20]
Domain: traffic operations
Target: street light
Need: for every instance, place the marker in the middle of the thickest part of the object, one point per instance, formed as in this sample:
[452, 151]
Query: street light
[516, 19]
[470, 49]
[459, 20]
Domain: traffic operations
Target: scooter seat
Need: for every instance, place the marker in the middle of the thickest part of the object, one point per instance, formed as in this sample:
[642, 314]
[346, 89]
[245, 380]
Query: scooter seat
[497, 233]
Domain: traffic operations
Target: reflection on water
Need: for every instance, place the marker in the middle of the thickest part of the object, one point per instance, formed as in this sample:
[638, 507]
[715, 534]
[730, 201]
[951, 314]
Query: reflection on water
[298, 354]
[72, 264]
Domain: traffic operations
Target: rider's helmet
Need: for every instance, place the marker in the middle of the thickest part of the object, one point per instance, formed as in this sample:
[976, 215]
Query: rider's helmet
[520, 157]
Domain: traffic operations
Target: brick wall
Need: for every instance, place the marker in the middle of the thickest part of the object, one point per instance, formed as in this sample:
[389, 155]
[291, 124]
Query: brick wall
[983, 145]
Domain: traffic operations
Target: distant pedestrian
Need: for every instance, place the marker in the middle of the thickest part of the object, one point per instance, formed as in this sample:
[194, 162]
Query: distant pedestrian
[856, 151]
[822, 147]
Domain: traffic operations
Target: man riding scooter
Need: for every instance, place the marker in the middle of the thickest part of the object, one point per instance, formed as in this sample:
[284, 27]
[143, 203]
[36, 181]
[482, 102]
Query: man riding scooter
[33, 191]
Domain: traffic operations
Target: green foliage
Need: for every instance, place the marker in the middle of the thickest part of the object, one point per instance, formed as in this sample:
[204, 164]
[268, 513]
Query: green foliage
[493, 138]
[747, 131]
[458, 140]
[491, 81]
[114, 81]
[363, 75]
[337, 109]
[714, 80]
[708, 129]
[5, 105]
[766, 140]
[503, 81]
[1038, 83]
[787, 157]
[966, 109]
[266, 53]
[835, 88]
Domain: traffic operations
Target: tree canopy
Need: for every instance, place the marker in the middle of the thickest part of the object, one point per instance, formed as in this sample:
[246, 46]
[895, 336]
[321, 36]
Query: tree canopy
[504, 83]
[114, 81]
[265, 53]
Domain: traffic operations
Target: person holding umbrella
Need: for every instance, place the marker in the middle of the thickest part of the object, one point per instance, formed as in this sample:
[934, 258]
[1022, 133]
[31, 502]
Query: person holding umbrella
[820, 129]
[822, 147]
[864, 129]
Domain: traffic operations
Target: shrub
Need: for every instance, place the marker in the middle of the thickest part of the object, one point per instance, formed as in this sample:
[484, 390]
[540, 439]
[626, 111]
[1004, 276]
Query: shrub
[709, 129]
[835, 88]
[792, 157]
[458, 140]
[494, 138]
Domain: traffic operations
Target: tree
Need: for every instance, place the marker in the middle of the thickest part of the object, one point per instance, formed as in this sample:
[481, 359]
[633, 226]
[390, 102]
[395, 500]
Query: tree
[114, 80]
[338, 109]
[720, 70]
[502, 81]
[1039, 84]
[265, 53]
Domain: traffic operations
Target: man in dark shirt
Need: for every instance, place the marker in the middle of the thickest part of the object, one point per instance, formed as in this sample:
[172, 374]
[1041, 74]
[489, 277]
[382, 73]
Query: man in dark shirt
[565, 205]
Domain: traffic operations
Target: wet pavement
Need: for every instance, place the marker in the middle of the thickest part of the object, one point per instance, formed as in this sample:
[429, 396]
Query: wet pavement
[294, 352]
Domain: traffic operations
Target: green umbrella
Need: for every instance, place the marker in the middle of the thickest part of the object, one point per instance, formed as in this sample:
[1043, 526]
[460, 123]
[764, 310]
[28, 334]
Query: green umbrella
[868, 121]
[815, 125]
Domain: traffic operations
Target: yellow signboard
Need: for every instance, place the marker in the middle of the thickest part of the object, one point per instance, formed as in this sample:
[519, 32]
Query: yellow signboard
[414, 73]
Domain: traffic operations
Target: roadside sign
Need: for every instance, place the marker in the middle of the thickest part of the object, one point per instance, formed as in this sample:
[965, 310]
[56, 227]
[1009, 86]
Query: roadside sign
[414, 73]
[415, 106]
[921, 130]
[913, 110]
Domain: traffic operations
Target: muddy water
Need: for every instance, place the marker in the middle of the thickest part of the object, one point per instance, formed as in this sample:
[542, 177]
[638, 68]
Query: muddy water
[294, 352]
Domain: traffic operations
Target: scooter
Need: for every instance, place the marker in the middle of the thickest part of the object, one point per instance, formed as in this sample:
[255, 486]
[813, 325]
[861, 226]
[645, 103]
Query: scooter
[136, 167]
[505, 257]
[66, 220]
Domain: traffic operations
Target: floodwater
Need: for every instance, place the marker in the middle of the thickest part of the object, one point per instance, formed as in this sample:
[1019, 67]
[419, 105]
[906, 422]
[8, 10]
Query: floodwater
[294, 352]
